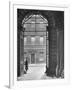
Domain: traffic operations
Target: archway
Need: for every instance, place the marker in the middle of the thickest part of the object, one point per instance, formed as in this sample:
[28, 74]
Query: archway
[36, 41]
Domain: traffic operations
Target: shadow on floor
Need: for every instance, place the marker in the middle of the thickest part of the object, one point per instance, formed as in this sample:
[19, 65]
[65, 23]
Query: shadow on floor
[7, 86]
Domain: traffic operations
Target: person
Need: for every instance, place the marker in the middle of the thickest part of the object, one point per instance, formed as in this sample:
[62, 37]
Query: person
[26, 65]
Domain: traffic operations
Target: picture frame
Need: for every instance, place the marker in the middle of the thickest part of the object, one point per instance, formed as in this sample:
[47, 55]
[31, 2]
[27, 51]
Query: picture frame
[13, 83]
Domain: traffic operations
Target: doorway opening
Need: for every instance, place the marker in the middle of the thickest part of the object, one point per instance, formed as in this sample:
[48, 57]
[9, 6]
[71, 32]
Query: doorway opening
[36, 43]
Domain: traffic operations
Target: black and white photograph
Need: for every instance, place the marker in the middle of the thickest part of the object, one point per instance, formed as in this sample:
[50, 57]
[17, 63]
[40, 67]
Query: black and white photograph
[40, 44]
[36, 44]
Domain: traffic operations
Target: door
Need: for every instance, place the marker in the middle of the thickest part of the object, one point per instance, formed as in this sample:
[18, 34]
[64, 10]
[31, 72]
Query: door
[32, 58]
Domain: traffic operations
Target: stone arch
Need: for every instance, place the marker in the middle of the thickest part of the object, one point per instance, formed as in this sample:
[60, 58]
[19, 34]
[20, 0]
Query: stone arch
[35, 15]
[48, 16]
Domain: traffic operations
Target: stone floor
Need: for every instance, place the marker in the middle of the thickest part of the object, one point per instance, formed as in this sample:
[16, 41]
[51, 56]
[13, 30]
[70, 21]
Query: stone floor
[35, 72]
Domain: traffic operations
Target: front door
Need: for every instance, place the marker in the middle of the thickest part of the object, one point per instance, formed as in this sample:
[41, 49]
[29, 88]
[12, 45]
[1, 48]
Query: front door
[32, 58]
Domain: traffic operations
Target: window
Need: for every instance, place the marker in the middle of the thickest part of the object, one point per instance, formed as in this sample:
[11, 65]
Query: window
[41, 40]
[25, 40]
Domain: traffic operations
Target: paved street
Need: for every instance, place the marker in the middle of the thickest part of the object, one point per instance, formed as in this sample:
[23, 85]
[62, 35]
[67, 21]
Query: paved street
[35, 72]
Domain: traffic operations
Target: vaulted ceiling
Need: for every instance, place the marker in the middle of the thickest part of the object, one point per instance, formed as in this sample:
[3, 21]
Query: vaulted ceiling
[54, 18]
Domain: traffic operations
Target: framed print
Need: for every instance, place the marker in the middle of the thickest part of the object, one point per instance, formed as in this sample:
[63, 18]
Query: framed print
[39, 53]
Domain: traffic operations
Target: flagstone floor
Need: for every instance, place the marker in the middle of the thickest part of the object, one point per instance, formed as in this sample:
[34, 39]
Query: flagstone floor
[35, 72]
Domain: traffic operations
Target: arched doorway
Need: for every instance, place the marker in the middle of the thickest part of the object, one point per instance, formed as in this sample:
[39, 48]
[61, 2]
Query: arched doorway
[36, 41]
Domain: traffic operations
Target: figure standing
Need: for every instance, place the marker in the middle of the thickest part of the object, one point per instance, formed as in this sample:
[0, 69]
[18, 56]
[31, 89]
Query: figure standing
[26, 65]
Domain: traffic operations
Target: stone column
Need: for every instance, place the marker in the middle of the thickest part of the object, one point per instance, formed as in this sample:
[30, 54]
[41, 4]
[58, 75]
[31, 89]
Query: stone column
[51, 70]
[18, 53]
[47, 49]
[60, 53]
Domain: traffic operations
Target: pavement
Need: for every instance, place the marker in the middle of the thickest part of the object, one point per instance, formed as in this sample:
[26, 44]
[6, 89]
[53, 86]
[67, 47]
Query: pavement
[35, 72]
